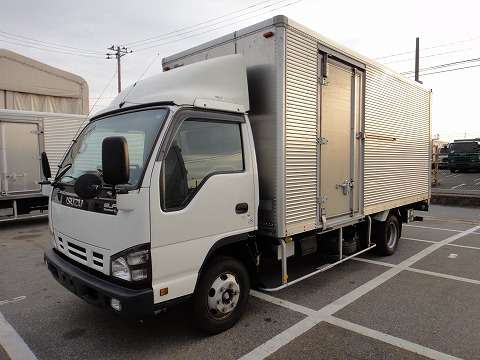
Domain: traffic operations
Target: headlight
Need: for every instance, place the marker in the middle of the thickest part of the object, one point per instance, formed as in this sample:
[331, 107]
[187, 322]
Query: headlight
[132, 264]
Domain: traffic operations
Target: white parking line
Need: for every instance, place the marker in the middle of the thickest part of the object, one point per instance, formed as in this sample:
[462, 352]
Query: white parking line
[286, 304]
[445, 276]
[420, 271]
[431, 242]
[14, 300]
[389, 339]
[457, 186]
[419, 240]
[275, 343]
[465, 246]
[13, 343]
[432, 228]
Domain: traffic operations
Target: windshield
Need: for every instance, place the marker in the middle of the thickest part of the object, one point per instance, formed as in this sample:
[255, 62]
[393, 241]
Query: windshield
[139, 128]
[465, 146]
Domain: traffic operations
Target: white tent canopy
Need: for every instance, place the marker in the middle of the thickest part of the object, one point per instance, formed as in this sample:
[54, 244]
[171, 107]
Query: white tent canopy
[27, 84]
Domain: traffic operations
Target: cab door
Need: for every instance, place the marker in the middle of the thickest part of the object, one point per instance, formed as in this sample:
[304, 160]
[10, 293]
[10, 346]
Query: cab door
[202, 191]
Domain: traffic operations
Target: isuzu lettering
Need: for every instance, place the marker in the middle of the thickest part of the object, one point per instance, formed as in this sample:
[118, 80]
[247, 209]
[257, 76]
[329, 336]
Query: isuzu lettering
[257, 160]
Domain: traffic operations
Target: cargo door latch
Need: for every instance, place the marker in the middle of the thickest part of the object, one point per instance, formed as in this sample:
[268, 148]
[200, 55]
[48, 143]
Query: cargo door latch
[345, 186]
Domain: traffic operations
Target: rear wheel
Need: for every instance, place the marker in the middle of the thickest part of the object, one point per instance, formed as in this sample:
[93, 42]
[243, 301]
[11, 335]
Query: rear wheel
[452, 171]
[387, 234]
[221, 295]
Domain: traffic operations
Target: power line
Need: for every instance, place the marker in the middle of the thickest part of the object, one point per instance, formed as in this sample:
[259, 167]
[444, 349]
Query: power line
[444, 65]
[32, 41]
[103, 91]
[431, 47]
[162, 36]
[158, 54]
[425, 56]
[219, 27]
[448, 70]
[49, 50]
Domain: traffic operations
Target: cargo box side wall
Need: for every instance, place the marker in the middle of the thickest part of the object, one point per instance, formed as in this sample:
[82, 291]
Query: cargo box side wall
[397, 142]
[58, 135]
[301, 132]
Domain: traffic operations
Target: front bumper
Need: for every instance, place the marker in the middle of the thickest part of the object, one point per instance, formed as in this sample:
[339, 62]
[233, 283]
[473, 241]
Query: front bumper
[136, 303]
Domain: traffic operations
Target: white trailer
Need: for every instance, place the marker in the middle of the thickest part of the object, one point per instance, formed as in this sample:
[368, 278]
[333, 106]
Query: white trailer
[24, 135]
[257, 159]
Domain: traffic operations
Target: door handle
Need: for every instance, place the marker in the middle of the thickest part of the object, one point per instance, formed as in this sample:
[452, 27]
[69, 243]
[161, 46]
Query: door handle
[345, 186]
[241, 208]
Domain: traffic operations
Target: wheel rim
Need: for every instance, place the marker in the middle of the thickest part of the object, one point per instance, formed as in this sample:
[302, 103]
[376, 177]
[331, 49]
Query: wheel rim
[392, 235]
[223, 295]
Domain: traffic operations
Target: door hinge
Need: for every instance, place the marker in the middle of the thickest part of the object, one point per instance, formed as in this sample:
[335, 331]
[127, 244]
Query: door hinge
[322, 199]
[36, 132]
[322, 140]
[361, 135]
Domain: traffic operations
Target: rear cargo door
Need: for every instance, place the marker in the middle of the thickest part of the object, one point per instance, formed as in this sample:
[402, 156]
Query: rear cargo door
[20, 164]
[340, 103]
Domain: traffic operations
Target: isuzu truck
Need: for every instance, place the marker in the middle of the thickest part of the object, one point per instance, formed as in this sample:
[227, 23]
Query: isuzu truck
[257, 160]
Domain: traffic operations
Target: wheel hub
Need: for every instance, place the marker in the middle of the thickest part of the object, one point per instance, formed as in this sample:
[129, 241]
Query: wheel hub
[392, 235]
[223, 295]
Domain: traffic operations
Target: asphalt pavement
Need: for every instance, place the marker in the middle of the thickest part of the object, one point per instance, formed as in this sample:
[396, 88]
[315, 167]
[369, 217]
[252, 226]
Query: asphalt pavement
[422, 302]
[458, 183]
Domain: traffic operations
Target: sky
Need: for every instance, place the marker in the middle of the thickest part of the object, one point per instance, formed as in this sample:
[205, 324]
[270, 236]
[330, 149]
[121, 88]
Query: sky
[74, 36]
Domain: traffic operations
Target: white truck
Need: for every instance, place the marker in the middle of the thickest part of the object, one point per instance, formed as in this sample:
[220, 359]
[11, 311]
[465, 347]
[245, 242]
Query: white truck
[255, 160]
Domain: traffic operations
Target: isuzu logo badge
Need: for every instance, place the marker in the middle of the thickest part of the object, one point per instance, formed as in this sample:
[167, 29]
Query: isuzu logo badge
[74, 202]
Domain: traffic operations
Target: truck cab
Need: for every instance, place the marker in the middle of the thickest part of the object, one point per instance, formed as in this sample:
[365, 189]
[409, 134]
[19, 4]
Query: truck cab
[152, 187]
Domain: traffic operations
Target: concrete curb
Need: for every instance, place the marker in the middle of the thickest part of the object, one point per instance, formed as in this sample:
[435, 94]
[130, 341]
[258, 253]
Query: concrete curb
[465, 200]
[12, 344]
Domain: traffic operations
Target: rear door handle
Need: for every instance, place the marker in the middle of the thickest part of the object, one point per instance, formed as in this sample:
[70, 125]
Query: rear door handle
[241, 208]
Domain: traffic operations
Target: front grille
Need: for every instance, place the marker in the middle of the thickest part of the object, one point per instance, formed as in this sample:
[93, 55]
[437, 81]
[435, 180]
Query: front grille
[97, 259]
[82, 253]
[77, 251]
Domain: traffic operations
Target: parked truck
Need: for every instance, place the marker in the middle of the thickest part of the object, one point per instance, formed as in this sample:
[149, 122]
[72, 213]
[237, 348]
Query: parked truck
[464, 155]
[24, 136]
[41, 110]
[258, 160]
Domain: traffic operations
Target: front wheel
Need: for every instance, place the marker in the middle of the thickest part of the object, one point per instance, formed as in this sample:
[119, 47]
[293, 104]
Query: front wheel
[386, 235]
[221, 295]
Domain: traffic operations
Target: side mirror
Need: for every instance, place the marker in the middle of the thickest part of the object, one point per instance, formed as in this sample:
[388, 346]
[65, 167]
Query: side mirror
[46, 166]
[115, 162]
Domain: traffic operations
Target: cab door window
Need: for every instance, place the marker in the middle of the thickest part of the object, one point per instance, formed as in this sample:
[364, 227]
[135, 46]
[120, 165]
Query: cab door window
[200, 149]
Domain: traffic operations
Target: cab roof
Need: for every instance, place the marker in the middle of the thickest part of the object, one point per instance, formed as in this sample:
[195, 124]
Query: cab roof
[216, 84]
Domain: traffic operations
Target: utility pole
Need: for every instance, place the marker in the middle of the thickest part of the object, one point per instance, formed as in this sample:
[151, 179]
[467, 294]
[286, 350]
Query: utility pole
[118, 53]
[417, 60]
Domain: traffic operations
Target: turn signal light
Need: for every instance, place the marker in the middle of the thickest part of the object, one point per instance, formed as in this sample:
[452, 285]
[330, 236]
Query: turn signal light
[163, 291]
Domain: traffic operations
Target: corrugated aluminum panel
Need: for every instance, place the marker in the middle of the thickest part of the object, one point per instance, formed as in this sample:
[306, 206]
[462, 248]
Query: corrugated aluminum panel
[58, 135]
[397, 143]
[301, 90]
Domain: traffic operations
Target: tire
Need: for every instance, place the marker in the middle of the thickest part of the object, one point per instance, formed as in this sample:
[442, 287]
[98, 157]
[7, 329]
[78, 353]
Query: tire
[386, 235]
[452, 171]
[224, 282]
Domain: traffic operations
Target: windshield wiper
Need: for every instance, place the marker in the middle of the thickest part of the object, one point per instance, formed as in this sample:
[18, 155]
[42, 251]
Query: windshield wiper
[63, 170]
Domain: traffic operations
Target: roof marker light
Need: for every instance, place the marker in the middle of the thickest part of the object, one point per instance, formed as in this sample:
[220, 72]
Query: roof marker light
[268, 34]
